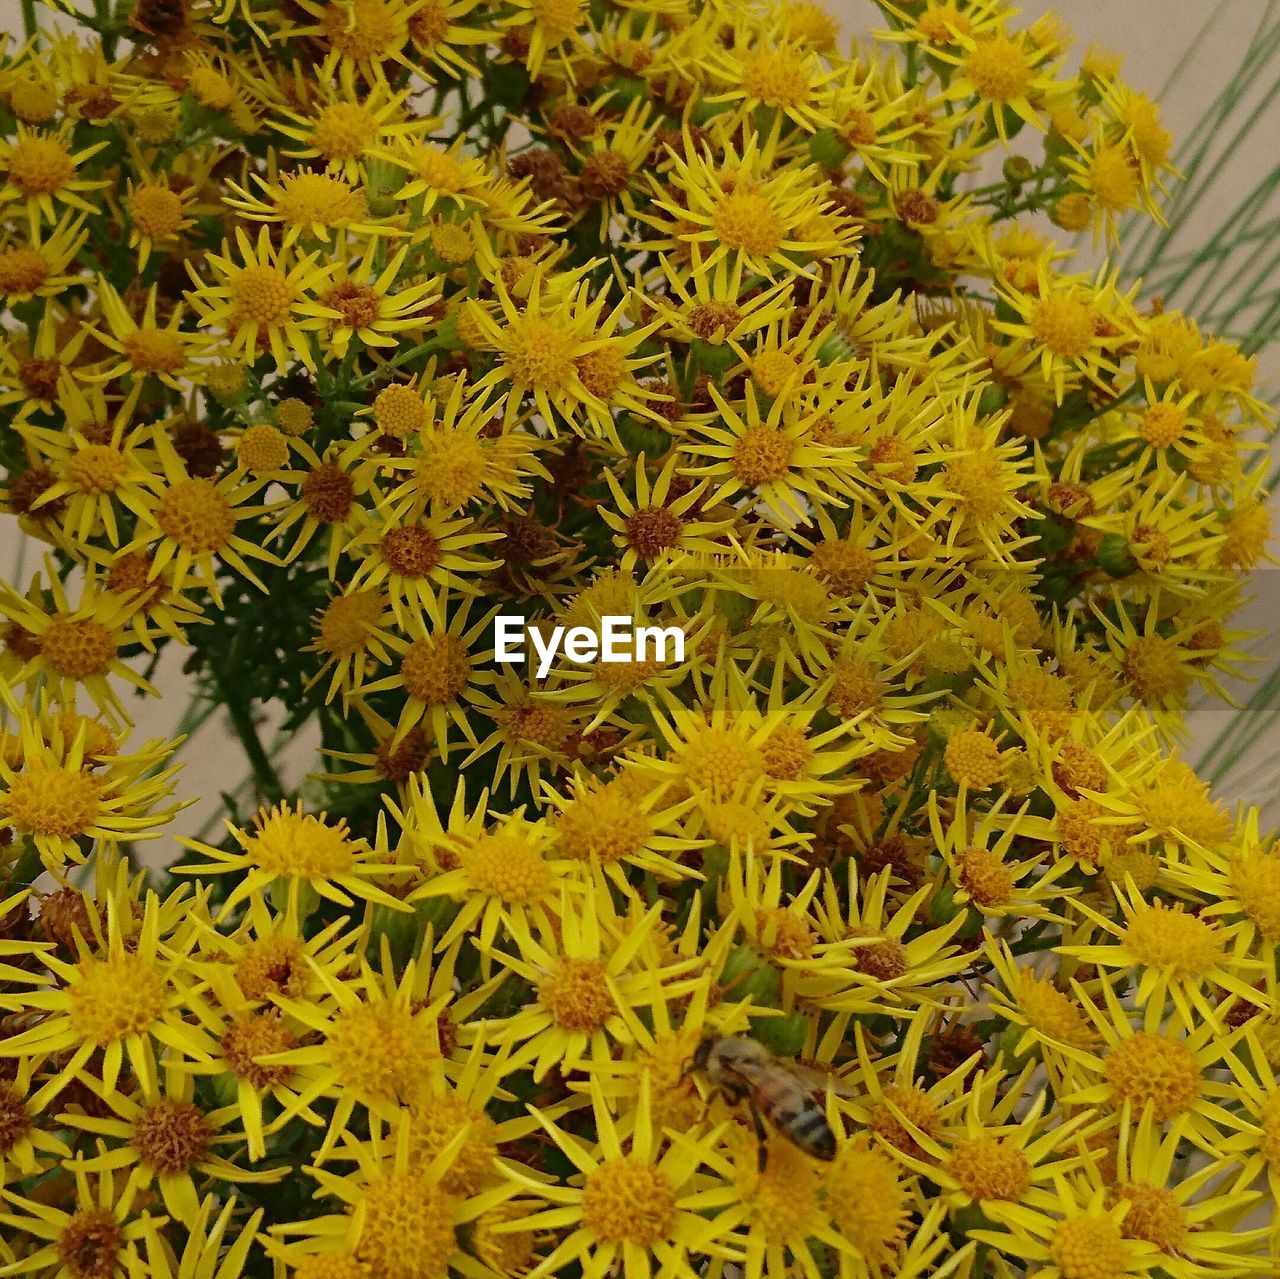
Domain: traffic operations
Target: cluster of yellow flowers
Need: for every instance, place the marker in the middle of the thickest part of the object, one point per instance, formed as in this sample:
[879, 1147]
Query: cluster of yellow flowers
[414, 313]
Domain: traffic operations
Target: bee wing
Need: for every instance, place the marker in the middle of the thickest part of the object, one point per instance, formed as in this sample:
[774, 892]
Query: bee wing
[752, 1071]
[818, 1079]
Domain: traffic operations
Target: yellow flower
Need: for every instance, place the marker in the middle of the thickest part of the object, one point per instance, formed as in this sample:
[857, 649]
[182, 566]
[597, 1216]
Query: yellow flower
[41, 167]
[395, 1218]
[637, 1201]
[742, 205]
[357, 302]
[263, 299]
[60, 796]
[119, 1001]
[581, 984]
[144, 348]
[99, 1222]
[36, 265]
[308, 205]
[74, 647]
[415, 561]
[440, 670]
[1002, 73]
[343, 127]
[559, 347]
[159, 215]
[1078, 1237]
[301, 850]
[190, 521]
[164, 1139]
[1176, 954]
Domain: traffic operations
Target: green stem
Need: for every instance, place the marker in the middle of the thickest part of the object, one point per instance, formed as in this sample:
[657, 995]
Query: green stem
[268, 780]
[29, 24]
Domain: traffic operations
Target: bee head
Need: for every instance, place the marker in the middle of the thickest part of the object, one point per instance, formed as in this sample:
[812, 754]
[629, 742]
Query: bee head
[703, 1052]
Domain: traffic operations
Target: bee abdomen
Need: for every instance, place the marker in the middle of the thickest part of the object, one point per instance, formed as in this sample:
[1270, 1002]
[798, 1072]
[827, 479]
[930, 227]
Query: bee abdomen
[809, 1129]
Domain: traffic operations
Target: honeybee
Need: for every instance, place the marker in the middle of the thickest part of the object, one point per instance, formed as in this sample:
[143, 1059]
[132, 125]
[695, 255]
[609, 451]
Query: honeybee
[741, 1068]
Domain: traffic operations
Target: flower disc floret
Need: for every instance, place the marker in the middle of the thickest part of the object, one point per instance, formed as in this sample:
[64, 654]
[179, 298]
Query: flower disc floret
[78, 647]
[436, 669]
[156, 210]
[1160, 937]
[509, 868]
[289, 842]
[90, 1244]
[990, 1168]
[48, 799]
[1065, 326]
[378, 1049]
[171, 1135]
[577, 995]
[115, 997]
[1089, 1247]
[1156, 1070]
[196, 516]
[263, 293]
[626, 1201]
[745, 220]
[408, 1229]
[95, 469]
[999, 69]
[40, 164]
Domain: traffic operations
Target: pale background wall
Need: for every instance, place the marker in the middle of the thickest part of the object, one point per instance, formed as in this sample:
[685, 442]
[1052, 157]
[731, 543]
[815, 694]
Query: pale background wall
[1154, 36]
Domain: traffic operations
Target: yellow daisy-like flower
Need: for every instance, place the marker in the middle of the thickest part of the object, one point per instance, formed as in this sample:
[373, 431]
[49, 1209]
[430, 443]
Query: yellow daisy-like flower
[558, 346]
[61, 796]
[144, 348]
[638, 1206]
[439, 37]
[395, 1216]
[364, 34]
[712, 304]
[119, 1001]
[358, 302]
[785, 77]
[1076, 326]
[190, 522]
[344, 126]
[658, 524]
[1158, 1064]
[95, 477]
[73, 647]
[304, 851]
[36, 265]
[42, 170]
[162, 1138]
[438, 175]
[457, 457]
[416, 562]
[1177, 955]
[581, 982]
[546, 27]
[99, 1223]
[742, 205]
[308, 205]
[351, 631]
[771, 453]
[374, 1039]
[440, 671]
[159, 215]
[263, 299]
[504, 878]
[1003, 72]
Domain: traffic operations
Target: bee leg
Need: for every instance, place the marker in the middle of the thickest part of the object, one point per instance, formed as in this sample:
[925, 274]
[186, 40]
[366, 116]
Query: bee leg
[762, 1138]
